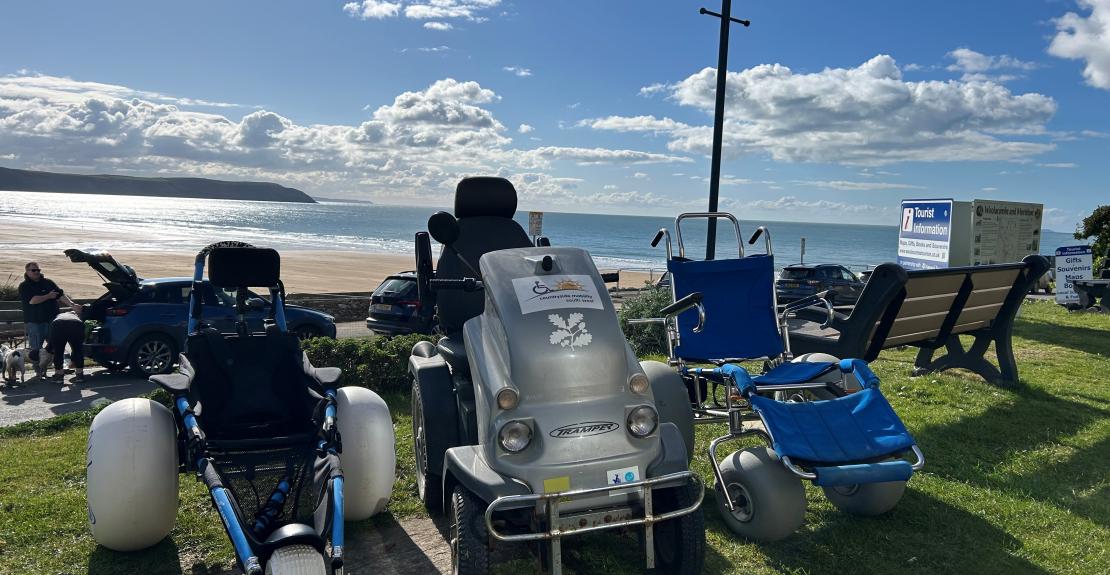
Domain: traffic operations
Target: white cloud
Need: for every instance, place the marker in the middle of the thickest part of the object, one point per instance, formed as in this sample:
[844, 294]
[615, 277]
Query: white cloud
[525, 129]
[435, 49]
[641, 176]
[989, 189]
[1059, 165]
[376, 9]
[433, 10]
[800, 207]
[653, 89]
[970, 61]
[633, 124]
[866, 115]
[413, 149]
[1079, 38]
[609, 187]
[857, 186]
[518, 71]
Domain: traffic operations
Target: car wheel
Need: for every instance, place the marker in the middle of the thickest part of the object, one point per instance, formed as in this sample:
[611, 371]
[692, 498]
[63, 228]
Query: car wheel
[306, 331]
[152, 354]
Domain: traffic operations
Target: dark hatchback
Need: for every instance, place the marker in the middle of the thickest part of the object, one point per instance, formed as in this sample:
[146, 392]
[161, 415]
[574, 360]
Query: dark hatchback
[143, 322]
[802, 280]
[395, 307]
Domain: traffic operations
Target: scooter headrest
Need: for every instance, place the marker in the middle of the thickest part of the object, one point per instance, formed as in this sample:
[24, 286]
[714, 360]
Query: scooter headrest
[244, 267]
[485, 196]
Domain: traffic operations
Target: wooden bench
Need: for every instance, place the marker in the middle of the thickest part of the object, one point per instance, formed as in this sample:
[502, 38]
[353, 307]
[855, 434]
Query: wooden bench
[11, 323]
[929, 309]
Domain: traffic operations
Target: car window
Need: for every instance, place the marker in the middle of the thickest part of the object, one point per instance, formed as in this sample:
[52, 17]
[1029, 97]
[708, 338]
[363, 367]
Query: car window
[170, 294]
[796, 274]
[827, 274]
[397, 287]
[847, 275]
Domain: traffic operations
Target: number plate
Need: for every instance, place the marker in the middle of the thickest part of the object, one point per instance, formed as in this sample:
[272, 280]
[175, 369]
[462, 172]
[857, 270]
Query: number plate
[789, 285]
[382, 307]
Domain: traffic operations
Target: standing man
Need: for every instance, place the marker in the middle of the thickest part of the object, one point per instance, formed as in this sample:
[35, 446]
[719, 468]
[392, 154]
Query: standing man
[40, 306]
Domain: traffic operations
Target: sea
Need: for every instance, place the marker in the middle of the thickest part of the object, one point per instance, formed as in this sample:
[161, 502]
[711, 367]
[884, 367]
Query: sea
[614, 241]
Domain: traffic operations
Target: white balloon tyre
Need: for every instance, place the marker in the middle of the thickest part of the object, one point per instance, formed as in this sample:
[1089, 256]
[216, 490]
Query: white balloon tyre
[131, 466]
[369, 457]
[296, 560]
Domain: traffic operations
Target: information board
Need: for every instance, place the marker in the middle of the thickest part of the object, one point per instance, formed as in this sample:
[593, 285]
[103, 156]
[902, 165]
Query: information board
[925, 233]
[1072, 263]
[1004, 232]
[535, 224]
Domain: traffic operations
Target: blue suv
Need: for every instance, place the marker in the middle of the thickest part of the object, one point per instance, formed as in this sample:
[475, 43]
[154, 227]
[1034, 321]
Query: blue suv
[143, 322]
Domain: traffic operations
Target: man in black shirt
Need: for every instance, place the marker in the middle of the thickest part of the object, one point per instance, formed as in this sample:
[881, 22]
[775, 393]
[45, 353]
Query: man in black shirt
[40, 305]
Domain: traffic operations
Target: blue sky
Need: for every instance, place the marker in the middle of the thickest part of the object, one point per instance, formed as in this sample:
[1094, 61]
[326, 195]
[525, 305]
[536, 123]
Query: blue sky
[836, 111]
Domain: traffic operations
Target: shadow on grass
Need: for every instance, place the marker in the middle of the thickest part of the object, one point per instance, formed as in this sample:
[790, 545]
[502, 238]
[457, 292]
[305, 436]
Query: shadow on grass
[972, 449]
[1084, 339]
[921, 535]
[162, 559]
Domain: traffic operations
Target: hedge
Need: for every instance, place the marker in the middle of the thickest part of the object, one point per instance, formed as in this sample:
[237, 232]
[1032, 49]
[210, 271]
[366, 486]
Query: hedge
[380, 364]
[645, 339]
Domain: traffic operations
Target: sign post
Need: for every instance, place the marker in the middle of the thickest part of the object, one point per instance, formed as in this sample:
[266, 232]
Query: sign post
[535, 225]
[1072, 263]
[925, 233]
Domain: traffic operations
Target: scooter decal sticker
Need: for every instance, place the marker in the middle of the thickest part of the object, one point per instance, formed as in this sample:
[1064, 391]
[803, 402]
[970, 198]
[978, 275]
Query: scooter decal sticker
[584, 429]
[556, 484]
[620, 477]
[542, 293]
[570, 332]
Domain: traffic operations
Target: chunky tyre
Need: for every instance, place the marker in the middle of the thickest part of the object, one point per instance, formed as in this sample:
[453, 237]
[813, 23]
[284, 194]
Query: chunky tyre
[868, 499]
[296, 560]
[672, 401]
[679, 542]
[152, 354]
[770, 502]
[429, 485]
[469, 537]
[369, 458]
[132, 474]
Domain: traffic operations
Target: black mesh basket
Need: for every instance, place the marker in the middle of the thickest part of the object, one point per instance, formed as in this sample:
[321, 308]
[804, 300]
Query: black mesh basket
[254, 477]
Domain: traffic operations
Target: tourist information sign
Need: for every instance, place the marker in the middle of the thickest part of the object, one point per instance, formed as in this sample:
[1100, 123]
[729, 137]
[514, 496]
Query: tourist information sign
[925, 233]
[1072, 263]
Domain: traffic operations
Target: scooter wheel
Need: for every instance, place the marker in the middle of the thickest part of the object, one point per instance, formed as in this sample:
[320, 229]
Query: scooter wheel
[868, 499]
[679, 542]
[469, 537]
[429, 486]
[296, 560]
[769, 501]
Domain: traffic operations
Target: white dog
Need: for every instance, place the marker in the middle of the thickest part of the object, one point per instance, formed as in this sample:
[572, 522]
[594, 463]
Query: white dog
[13, 362]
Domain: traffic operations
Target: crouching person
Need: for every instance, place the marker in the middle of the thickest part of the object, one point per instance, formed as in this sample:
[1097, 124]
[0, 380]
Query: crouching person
[68, 328]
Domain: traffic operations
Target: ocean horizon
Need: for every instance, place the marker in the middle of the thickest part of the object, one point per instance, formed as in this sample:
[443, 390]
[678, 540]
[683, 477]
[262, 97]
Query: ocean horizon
[615, 241]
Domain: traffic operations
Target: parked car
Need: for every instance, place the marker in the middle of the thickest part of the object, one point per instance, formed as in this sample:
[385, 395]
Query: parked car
[395, 307]
[799, 281]
[143, 322]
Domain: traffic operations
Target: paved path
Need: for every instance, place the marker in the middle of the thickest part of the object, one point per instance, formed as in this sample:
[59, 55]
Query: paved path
[42, 399]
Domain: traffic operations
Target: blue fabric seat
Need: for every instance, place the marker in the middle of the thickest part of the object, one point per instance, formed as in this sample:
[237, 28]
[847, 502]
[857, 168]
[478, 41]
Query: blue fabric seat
[857, 427]
[794, 373]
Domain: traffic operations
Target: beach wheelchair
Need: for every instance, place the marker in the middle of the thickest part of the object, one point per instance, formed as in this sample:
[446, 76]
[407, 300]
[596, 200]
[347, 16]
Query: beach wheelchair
[824, 418]
[286, 456]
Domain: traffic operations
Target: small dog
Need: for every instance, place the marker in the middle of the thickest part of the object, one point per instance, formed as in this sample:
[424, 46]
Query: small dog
[13, 362]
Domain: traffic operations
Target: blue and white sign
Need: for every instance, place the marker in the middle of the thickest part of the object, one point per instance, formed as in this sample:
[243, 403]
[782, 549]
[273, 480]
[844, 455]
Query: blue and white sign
[925, 234]
[1072, 263]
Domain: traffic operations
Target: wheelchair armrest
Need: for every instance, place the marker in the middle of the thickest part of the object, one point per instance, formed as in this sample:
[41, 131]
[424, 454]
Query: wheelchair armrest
[180, 380]
[818, 314]
[327, 376]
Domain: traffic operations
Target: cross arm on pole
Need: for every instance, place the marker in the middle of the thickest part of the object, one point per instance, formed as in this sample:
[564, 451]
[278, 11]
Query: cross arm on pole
[746, 23]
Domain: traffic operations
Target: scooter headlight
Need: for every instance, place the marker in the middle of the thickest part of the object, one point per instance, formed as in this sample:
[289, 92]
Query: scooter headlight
[642, 421]
[639, 383]
[508, 398]
[515, 436]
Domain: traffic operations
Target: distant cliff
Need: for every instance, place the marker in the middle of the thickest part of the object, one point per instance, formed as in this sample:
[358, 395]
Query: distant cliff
[30, 181]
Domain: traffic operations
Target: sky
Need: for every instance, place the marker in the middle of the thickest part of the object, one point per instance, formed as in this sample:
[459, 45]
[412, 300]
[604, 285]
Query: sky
[835, 111]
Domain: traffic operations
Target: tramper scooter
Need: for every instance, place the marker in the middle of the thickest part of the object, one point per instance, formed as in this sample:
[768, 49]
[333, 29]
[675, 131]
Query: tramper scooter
[532, 418]
[286, 454]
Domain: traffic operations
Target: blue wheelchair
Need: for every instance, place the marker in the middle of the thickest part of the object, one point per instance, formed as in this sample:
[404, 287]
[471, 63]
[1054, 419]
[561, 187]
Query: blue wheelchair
[286, 455]
[824, 418]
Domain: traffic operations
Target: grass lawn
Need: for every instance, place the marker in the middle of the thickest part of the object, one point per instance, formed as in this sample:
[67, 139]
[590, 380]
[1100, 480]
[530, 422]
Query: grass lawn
[1017, 481]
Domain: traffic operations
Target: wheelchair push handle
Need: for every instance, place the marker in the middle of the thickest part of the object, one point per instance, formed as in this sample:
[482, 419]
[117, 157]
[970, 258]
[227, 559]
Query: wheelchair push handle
[690, 301]
[819, 299]
[659, 235]
[762, 231]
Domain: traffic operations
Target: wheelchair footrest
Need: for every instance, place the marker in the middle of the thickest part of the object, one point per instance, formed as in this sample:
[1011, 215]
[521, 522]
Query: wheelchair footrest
[863, 473]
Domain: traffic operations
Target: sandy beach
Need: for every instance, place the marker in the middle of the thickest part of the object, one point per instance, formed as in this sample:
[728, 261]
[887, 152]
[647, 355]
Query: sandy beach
[308, 271]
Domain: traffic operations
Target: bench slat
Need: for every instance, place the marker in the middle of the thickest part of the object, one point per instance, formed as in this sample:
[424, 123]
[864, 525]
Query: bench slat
[933, 285]
[994, 279]
[919, 324]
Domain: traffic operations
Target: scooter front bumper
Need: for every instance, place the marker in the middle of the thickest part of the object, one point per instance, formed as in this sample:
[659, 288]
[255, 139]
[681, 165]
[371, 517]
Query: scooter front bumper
[560, 525]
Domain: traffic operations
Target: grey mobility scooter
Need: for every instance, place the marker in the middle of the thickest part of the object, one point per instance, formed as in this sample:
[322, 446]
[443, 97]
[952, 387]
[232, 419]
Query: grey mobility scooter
[532, 418]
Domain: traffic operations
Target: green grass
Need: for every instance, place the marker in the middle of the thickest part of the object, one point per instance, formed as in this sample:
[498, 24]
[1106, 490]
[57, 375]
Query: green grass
[1017, 481]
